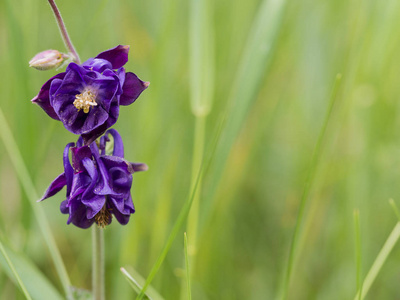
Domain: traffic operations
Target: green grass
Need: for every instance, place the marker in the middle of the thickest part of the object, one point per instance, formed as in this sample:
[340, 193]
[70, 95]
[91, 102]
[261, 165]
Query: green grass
[253, 76]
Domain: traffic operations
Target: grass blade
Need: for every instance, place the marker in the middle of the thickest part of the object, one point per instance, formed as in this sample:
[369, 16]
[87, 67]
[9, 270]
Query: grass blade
[151, 294]
[182, 215]
[379, 261]
[253, 65]
[189, 290]
[395, 209]
[307, 187]
[29, 188]
[201, 58]
[15, 273]
[358, 250]
[35, 285]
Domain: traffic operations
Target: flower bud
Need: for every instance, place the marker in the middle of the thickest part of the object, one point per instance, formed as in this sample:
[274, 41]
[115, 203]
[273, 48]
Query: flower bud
[47, 60]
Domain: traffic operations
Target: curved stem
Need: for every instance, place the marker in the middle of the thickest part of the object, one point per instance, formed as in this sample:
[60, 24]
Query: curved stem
[98, 263]
[64, 33]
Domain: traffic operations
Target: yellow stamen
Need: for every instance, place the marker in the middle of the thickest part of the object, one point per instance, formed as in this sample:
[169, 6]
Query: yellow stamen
[103, 217]
[85, 101]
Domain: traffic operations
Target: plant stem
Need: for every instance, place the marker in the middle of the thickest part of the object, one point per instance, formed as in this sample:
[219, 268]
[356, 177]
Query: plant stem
[98, 263]
[64, 32]
[198, 151]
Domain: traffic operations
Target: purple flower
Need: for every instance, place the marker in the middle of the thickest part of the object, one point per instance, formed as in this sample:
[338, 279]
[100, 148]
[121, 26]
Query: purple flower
[98, 185]
[86, 98]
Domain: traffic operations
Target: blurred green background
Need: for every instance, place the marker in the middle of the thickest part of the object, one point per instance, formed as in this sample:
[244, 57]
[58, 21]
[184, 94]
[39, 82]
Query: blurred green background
[261, 73]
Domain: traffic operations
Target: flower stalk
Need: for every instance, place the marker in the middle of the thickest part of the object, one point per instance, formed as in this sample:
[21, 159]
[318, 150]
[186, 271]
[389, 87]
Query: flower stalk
[64, 32]
[98, 286]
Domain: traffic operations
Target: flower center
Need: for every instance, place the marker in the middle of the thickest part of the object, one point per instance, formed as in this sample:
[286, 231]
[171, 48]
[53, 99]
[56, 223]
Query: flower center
[85, 101]
[103, 217]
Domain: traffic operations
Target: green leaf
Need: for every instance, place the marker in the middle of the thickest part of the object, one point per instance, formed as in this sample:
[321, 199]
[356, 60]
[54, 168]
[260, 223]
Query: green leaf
[37, 285]
[379, 261]
[134, 280]
[27, 184]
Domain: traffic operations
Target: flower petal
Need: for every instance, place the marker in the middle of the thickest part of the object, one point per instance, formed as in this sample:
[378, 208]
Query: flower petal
[42, 99]
[97, 64]
[77, 215]
[94, 205]
[54, 187]
[78, 154]
[103, 185]
[118, 144]
[117, 56]
[132, 88]
[89, 137]
[124, 215]
[68, 170]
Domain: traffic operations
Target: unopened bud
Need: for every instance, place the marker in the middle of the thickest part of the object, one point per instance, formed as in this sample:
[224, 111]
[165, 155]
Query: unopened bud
[47, 60]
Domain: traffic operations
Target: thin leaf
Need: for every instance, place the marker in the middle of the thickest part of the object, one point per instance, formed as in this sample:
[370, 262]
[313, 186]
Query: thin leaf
[253, 66]
[151, 294]
[379, 261]
[14, 272]
[395, 208]
[307, 187]
[30, 191]
[182, 215]
[36, 283]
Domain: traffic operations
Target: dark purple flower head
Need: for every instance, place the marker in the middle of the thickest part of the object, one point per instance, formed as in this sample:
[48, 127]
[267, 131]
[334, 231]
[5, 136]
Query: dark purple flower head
[86, 98]
[98, 184]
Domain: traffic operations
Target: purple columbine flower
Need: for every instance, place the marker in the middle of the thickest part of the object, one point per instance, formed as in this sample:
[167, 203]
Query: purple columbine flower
[98, 185]
[86, 98]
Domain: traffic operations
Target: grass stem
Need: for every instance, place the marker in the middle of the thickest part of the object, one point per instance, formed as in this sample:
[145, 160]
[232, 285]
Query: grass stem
[98, 283]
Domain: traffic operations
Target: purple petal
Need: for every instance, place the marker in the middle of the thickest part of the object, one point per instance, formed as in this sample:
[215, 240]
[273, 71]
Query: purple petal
[42, 99]
[102, 145]
[68, 170]
[77, 215]
[103, 187]
[121, 75]
[54, 187]
[132, 88]
[80, 184]
[118, 144]
[124, 215]
[105, 87]
[94, 176]
[63, 207]
[97, 64]
[78, 154]
[89, 137]
[117, 56]
[94, 205]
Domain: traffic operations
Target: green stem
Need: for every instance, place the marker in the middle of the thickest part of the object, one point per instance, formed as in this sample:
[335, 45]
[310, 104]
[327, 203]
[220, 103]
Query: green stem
[64, 32]
[198, 151]
[98, 263]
